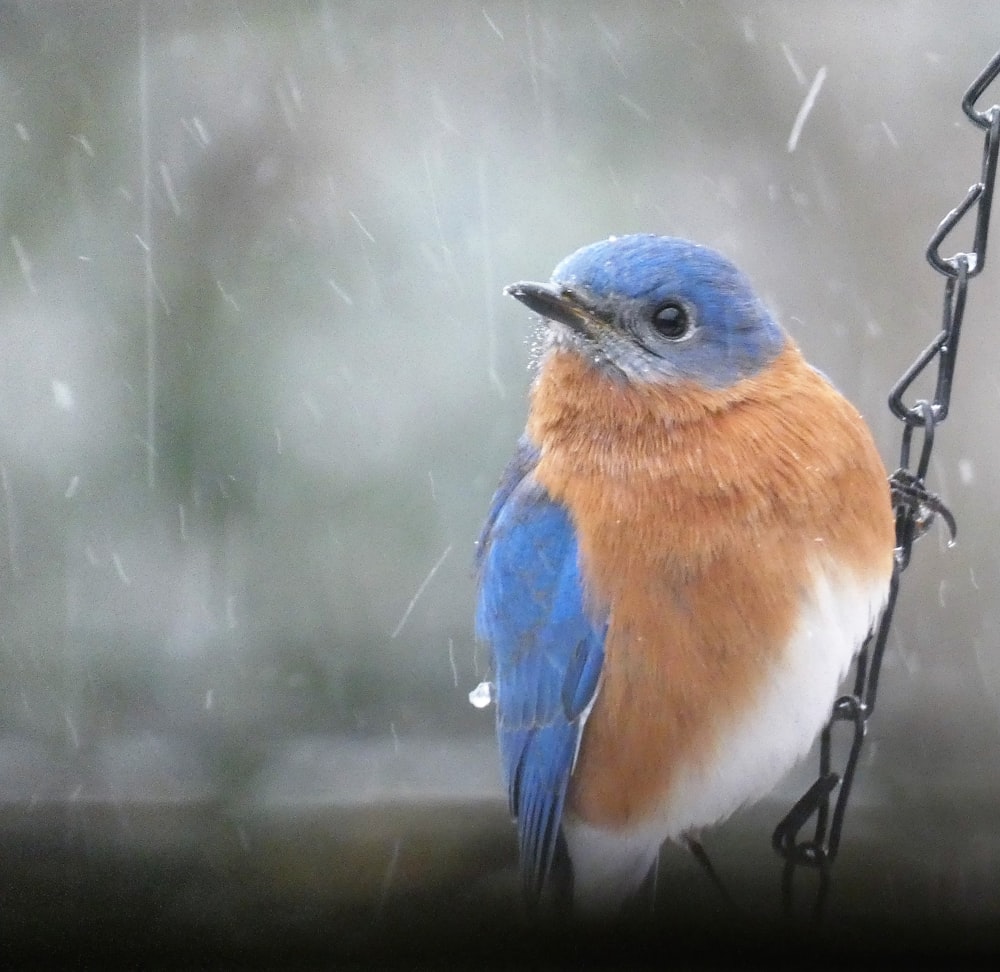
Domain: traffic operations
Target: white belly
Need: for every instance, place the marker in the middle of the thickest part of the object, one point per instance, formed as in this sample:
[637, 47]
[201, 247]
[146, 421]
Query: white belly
[761, 746]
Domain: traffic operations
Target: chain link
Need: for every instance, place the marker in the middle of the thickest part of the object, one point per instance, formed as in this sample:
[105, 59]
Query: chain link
[915, 508]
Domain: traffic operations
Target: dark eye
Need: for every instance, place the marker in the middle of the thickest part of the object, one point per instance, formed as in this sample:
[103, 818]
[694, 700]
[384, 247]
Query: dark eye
[672, 321]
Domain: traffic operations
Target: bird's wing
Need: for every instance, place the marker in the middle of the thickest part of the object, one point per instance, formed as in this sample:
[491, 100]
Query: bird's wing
[547, 654]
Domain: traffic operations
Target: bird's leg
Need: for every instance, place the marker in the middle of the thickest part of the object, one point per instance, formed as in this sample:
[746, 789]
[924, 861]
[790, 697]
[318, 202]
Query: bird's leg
[701, 856]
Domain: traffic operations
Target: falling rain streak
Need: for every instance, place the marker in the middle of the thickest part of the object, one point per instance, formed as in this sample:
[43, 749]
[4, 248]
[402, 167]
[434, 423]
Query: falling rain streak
[420, 591]
[807, 107]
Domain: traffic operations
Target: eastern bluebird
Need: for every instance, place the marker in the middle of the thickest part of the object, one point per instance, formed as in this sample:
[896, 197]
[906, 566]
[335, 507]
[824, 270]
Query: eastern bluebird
[693, 540]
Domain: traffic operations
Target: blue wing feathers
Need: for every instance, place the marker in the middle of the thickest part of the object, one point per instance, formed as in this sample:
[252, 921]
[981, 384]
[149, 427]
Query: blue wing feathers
[522, 463]
[582, 676]
[547, 653]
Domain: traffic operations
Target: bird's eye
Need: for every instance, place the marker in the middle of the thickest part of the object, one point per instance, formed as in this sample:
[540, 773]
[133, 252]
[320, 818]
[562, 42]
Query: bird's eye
[672, 321]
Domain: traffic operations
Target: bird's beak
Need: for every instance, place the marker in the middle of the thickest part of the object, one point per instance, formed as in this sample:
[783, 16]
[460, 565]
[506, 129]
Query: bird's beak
[557, 304]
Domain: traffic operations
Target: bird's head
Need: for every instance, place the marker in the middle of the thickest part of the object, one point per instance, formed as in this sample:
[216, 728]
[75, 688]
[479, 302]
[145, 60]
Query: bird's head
[656, 309]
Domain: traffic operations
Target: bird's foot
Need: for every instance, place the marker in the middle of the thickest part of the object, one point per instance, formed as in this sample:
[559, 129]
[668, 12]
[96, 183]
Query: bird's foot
[912, 499]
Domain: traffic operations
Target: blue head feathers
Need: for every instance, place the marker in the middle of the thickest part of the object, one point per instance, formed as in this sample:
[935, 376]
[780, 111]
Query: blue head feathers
[657, 308]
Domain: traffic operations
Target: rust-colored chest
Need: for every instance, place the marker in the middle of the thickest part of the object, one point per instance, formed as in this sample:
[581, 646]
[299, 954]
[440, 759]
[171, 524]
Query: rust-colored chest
[700, 515]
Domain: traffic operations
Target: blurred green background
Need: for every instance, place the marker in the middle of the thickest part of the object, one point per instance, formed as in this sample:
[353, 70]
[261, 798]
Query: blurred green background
[258, 382]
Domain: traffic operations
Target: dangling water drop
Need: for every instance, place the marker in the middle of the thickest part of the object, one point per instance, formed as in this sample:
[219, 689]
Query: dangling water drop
[482, 695]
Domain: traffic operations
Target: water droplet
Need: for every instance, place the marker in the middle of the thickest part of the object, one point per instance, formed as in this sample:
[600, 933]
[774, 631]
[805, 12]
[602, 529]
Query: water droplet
[482, 695]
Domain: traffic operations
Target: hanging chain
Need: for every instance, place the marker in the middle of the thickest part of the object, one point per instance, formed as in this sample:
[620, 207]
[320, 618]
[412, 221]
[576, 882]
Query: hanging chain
[915, 508]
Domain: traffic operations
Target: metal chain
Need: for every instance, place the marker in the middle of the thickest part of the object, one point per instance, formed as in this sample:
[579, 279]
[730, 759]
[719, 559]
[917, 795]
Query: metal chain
[915, 509]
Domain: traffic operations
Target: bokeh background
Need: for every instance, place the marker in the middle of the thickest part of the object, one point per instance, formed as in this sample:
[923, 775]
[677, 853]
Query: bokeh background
[258, 381]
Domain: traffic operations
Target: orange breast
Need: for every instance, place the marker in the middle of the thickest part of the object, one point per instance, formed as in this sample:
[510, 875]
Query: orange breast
[698, 513]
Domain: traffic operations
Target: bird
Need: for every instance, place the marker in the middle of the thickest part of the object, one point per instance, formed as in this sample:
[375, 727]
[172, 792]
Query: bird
[690, 545]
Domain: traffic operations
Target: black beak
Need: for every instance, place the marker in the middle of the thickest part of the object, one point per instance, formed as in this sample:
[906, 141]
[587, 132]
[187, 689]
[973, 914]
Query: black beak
[556, 304]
